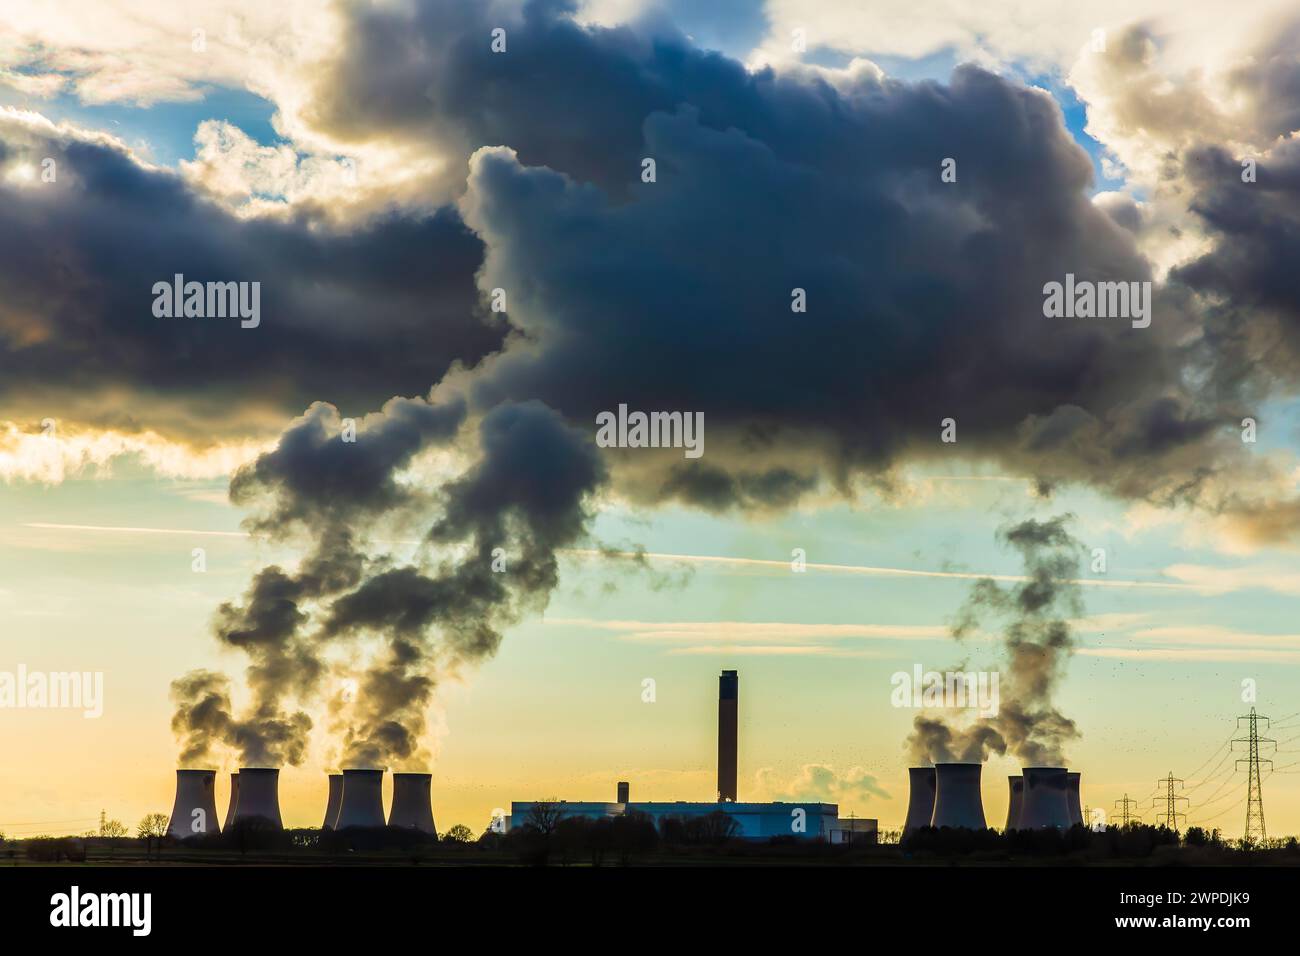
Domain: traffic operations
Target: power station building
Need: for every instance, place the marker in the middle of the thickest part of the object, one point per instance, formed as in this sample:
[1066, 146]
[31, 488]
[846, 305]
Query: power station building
[755, 821]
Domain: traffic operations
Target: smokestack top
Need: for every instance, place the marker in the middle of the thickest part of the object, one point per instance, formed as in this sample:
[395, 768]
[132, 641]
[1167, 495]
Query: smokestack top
[728, 686]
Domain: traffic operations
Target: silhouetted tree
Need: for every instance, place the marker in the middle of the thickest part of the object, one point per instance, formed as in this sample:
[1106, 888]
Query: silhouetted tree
[152, 828]
[459, 834]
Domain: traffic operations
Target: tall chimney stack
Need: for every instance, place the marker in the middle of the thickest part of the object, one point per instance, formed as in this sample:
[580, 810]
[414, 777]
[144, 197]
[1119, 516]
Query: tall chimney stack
[624, 791]
[195, 811]
[259, 795]
[233, 805]
[957, 799]
[333, 802]
[1017, 785]
[412, 803]
[363, 799]
[920, 804]
[728, 694]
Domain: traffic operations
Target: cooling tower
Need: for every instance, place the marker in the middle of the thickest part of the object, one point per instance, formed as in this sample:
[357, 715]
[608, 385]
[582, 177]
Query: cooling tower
[728, 699]
[363, 799]
[1017, 785]
[957, 800]
[1073, 802]
[1045, 803]
[195, 811]
[259, 795]
[920, 805]
[234, 801]
[332, 802]
[412, 807]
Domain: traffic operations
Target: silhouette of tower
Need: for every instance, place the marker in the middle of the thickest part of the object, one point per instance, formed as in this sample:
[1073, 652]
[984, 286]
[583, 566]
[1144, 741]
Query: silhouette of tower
[1255, 831]
[1126, 808]
[1171, 814]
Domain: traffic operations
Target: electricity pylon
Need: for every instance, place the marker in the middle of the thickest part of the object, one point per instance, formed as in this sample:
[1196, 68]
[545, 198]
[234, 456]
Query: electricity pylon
[1126, 814]
[1171, 813]
[1255, 831]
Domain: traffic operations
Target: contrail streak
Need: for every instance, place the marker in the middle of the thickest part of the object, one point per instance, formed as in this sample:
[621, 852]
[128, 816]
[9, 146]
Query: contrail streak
[862, 569]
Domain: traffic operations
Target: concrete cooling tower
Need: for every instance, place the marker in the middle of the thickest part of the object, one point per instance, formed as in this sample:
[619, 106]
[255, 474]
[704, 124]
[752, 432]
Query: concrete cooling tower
[333, 802]
[1073, 802]
[1045, 802]
[920, 804]
[195, 811]
[234, 801]
[957, 800]
[1017, 785]
[259, 795]
[363, 799]
[412, 805]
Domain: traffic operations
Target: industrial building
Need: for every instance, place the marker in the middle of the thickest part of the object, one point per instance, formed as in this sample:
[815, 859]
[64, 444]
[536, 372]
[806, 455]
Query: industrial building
[755, 821]
[354, 798]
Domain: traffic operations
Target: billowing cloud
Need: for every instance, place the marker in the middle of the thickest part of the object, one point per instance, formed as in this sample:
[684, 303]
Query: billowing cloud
[351, 316]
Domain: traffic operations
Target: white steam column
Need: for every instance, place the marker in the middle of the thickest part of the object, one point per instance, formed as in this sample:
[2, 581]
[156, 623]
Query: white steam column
[195, 811]
[412, 803]
[363, 799]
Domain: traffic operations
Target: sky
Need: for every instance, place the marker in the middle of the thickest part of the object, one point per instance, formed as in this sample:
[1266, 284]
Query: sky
[376, 526]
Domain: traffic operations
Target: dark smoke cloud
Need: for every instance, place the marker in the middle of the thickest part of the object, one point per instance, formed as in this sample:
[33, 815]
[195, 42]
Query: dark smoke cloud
[202, 719]
[1037, 644]
[489, 554]
[350, 315]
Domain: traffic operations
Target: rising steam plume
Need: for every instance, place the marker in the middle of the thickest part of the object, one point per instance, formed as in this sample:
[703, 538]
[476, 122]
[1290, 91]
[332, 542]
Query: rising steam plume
[1037, 643]
[488, 553]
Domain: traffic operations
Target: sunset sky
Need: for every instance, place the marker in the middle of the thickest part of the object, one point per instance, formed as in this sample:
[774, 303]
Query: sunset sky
[379, 169]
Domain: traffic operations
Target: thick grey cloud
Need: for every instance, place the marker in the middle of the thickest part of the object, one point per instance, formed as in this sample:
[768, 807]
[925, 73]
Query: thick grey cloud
[350, 316]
